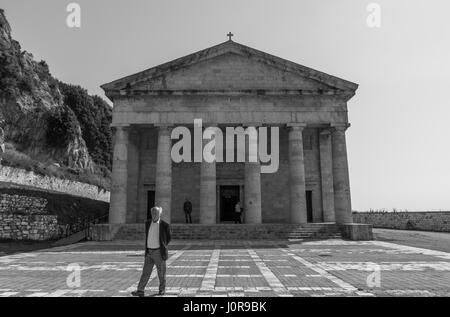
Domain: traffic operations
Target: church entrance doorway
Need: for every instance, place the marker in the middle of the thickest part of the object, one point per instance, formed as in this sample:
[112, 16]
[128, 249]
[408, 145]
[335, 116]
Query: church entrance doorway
[229, 196]
[150, 203]
[309, 207]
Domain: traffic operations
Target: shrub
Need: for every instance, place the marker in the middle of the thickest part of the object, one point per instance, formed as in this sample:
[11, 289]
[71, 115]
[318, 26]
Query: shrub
[94, 116]
[62, 127]
[14, 158]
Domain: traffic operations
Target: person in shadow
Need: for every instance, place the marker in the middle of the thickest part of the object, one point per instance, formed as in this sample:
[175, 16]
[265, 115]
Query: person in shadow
[187, 207]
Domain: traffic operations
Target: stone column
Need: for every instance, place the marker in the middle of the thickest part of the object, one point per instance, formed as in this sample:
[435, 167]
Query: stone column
[252, 186]
[208, 189]
[341, 182]
[163, 182]
[297, 175]
[119, 178]
[326, 173]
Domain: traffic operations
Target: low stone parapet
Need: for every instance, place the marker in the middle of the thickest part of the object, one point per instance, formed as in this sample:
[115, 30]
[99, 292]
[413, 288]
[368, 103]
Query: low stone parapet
[438, 221]
[356, 231]
[11, 177]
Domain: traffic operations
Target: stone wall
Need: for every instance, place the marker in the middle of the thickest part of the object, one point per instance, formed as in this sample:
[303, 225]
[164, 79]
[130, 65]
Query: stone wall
[10, 175]
[28, 227]
[25, 217]
[427, 221]
[14, 203]
[39, 215]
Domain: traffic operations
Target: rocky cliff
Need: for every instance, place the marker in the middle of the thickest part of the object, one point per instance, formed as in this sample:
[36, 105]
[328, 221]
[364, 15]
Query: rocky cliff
[29, 99]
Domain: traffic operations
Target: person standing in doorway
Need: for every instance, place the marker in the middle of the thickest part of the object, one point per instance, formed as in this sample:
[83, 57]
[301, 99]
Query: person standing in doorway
[237, 212]
[158, 237]
[187, 207]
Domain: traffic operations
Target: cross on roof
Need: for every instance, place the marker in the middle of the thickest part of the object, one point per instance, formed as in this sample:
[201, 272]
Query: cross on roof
[230, 35]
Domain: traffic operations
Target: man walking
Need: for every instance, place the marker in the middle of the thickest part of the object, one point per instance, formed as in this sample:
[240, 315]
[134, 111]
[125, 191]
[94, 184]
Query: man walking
[157, 239]
[187, 207]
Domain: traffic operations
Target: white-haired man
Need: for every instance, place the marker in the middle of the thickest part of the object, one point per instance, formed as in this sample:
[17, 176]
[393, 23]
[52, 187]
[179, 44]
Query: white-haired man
[157, 239]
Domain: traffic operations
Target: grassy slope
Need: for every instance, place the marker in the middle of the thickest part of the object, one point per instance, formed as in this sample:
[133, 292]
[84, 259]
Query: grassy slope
[14, 158]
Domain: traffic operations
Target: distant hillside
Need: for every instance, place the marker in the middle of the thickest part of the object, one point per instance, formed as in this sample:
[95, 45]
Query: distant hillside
[49, 126]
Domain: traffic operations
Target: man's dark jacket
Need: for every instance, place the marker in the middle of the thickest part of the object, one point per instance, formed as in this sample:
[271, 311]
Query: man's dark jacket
[164, 237]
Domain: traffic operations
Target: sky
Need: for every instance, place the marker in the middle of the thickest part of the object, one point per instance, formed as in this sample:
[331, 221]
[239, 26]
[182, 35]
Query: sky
[399, 139]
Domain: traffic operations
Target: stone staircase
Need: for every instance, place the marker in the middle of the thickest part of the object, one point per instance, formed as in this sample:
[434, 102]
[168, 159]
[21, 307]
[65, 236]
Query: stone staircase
[237, 231]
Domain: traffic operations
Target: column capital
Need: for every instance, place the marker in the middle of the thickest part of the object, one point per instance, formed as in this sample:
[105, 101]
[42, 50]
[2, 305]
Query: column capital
[210, 125]
[296, 126]
[340, 127]
[326, 131]
[121, 127]
[164, 127]
[134, 131]
[252, 124]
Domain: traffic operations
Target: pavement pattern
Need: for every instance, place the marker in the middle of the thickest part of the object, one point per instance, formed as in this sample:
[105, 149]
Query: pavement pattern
[231, 268]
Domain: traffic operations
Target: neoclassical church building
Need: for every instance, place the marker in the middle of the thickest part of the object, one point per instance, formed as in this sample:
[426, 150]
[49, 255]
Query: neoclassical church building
[231, 85]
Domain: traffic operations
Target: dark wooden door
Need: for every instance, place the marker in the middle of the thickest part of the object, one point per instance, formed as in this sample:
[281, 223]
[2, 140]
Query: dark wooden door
[150, 203]
[229, 196]
[309, 209]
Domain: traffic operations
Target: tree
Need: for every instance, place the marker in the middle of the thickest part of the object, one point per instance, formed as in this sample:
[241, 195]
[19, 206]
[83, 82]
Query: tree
[62, 127]
[95, 116]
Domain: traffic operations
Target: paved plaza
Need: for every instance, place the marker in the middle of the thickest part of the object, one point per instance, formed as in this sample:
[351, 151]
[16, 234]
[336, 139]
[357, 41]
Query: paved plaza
[232, 268]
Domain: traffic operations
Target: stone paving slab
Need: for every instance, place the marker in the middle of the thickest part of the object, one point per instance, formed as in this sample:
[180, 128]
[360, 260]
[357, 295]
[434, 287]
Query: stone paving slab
[232, 268]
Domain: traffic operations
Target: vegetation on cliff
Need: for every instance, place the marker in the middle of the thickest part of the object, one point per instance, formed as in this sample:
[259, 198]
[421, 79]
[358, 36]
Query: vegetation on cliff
[49, 126]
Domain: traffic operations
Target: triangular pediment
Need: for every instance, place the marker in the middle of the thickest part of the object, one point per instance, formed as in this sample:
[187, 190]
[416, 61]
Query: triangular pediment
[229, 71]
[229, 66]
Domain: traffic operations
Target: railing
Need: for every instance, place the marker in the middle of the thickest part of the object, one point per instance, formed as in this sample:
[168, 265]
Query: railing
[81, 224]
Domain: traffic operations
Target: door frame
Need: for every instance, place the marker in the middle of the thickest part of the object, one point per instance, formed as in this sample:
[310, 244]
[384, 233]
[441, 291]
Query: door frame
[228, 182]
[237, 190]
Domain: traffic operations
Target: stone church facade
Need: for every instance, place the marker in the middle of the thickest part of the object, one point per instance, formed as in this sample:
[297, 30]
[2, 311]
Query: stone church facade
[231, 85]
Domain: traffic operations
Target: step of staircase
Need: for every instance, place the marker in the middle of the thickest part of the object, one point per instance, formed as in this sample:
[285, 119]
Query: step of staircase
[237, 231]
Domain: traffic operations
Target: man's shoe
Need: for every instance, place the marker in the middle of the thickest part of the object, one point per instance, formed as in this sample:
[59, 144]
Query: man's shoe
[161, 293]
[137, 293]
